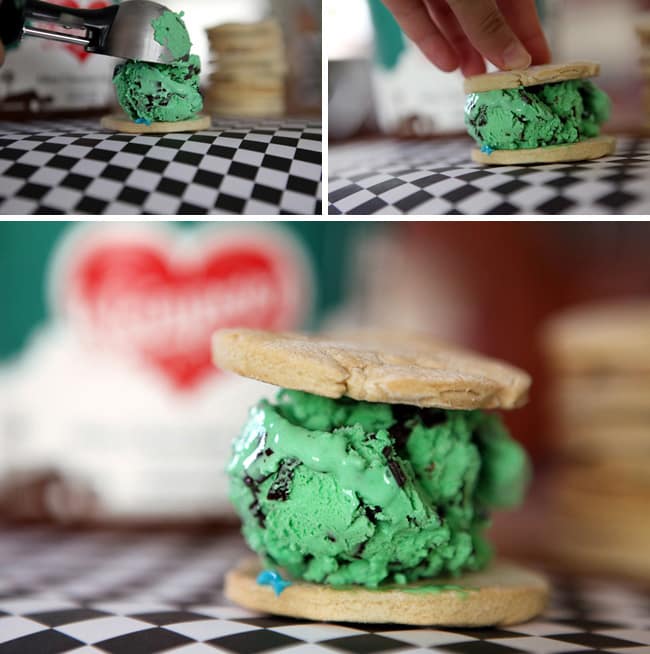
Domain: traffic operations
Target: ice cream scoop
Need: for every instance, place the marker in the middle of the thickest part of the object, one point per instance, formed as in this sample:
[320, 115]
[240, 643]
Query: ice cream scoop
[126, 30]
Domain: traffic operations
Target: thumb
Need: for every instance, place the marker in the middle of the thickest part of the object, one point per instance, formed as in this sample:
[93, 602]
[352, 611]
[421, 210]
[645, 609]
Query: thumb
[489, 33]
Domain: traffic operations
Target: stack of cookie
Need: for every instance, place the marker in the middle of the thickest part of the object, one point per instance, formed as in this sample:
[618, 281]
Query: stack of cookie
[600, 355]
[249, 70]
[643, 32]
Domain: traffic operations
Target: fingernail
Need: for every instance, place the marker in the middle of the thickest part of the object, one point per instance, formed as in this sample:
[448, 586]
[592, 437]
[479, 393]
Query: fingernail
[516, 56]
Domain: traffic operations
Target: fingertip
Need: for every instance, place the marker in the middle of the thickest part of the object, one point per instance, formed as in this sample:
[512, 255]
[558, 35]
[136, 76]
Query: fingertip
[447, 65]
[515, 57]
[540, 61]
[471, 68]
[440, 54]
[539, 50]
[472, 62]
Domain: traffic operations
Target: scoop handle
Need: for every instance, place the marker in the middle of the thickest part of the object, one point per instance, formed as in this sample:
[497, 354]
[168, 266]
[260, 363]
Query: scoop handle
[96, 22]
[70, 17]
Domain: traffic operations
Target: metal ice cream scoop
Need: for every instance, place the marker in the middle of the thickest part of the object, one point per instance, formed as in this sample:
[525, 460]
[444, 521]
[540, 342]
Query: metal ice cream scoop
[123, 30]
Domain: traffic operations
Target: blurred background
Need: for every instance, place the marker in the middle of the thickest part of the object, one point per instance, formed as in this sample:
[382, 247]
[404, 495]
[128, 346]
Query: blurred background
[44, 78]
[111, 412]
[378, 81]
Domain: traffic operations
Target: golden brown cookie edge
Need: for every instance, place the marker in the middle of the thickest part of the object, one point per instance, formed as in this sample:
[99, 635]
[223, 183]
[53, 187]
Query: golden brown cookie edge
[480, 604]
[589, 149]
[321, 365]
[120, 123]
[533, 76]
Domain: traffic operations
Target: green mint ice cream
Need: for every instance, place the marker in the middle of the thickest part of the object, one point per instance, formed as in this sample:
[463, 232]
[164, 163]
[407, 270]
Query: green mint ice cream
[170, 32]
[536, 116]
[159, 92]
[149, 92]
[347, 492]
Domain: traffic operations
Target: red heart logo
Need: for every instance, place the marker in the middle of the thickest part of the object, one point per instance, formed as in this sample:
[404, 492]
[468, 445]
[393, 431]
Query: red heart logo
[77, 50]
[135, 295]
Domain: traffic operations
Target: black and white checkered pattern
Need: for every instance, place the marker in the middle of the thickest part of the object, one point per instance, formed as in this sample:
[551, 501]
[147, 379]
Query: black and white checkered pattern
[436, 177]
[135, 593]
[263, 167]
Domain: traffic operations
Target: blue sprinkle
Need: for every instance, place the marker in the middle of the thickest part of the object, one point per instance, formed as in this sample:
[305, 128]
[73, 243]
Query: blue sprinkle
[271, 578]
[143, 121]
[487, 149]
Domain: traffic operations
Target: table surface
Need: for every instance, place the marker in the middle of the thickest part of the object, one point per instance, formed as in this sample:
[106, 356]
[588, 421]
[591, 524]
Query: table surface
[236, 167]
[130, 593]
[436, 177]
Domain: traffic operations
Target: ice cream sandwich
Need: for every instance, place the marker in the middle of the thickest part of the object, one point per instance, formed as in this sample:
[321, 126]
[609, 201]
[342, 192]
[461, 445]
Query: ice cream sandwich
[543, 114]
[364, 487]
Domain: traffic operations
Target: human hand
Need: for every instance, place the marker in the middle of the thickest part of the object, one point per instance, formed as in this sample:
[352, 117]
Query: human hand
[462, 33]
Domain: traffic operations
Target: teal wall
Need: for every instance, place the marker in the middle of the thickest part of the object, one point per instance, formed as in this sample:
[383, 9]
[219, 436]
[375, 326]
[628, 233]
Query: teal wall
[24, 255]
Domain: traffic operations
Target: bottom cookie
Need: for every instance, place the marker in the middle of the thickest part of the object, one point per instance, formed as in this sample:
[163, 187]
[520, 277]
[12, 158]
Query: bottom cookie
[503, 594]
[593, 148]
[121, 123]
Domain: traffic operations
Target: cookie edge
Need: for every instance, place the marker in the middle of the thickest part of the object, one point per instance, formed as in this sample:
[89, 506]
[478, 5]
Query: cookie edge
[486, 606]
[587, 150]
[122, 124]
[264, 359]
[533, 76]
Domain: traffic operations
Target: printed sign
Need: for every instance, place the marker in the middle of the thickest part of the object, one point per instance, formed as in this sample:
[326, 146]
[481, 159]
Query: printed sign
[115, 398]
[150, 297]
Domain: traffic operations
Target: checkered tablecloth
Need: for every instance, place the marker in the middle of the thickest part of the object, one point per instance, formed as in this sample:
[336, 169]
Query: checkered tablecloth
[141, 593]
[261, 167]
[435, 177]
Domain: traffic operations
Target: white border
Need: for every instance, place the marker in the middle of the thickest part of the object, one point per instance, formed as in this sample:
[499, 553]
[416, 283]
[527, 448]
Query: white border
[323, 216]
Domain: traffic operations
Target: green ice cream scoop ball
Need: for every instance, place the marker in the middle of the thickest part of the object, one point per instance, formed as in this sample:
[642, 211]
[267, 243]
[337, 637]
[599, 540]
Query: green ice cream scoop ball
[159, 92]
[170, 32]
[536, 116]
[347, 492]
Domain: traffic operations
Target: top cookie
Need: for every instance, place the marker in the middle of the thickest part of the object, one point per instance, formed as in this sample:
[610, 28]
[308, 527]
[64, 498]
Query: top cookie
[602, 338]
[547, 74]
[392, 367]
